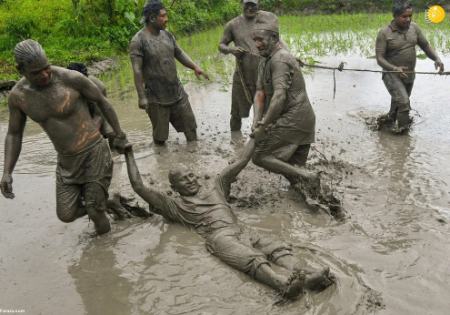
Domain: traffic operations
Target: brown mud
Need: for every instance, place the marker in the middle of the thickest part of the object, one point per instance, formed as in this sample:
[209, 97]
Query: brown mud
[390, 255]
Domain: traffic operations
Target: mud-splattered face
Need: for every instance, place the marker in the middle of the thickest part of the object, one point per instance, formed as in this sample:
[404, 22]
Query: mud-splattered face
[403, 21]
[250, 10]
[185, 182]
[160, 21]
[38, 74]
[265, 42]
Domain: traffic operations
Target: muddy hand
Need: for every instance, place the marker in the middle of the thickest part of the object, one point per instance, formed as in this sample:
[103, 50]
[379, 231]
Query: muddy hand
[199, 72]
[121, 144]
[143, 103]
[6, 186]
[439, 66]
[401, 71]
[238, 52]
[258, 134]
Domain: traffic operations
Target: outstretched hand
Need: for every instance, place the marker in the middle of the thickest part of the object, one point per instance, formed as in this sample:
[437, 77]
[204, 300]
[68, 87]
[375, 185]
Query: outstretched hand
[121, 144]
[199, 73]
[6, 186]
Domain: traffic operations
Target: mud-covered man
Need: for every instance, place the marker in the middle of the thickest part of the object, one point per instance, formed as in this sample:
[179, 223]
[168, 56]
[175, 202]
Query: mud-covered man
[284, 121]
[153, 52]
[57, 99]
[239, 31]
[210, 215]
[396, 51]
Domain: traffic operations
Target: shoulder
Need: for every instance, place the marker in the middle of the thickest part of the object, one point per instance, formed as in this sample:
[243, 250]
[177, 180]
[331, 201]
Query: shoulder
[267, 14]
[283, 56]
[383, 31]
[98, 83]
[415, 27]
[65, 74]
[17, 92]
[234, 22]
[138, 35]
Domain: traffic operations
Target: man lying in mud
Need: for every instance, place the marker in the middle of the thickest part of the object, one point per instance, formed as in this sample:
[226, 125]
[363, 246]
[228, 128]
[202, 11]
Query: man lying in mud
[153, 51]
[284, 121]
[396, 51]
[209, 213]
[56, 98]
[240, 32]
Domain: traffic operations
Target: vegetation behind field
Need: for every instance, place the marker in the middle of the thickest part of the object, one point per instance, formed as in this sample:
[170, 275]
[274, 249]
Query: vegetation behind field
[91, 30]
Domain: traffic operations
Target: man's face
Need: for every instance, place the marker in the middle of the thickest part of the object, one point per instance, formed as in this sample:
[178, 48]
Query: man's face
[265, 42]
[38, 74]
[160, 22]
[186, 183]
[250, 10]
[403, 21]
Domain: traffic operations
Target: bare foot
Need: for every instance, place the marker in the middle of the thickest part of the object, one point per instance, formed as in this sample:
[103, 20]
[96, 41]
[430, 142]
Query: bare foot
[319, 281]
[295, 286]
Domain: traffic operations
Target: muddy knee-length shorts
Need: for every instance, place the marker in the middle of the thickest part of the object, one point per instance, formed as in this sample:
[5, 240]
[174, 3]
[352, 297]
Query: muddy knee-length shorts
[90, 170]
[180, 115]
[246, 250]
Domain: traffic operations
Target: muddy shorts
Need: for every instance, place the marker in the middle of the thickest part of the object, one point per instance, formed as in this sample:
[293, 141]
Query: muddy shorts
[180, 115]
[247, 250]
[84, 177]
[283, 150]
[400, 91]
[240, 105]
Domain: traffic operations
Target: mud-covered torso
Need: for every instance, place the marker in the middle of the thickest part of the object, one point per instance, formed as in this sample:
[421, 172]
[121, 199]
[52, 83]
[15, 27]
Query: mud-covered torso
[296, 123]
[207, 212]
[240, 32]
[61, 111]
[159, 66]
[400, 45]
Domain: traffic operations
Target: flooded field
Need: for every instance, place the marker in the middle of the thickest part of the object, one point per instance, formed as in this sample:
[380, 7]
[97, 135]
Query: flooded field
[390, 256]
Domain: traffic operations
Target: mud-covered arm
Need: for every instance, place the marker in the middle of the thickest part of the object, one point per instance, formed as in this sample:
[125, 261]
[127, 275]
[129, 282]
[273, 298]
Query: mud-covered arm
[381, 49]
[259, 99]
[137, 62]
[281, 81]
[157, 200]
[428, 50]
[185, 60]
[91, 92]
[13, 146]
[227, 38]
[229, 173]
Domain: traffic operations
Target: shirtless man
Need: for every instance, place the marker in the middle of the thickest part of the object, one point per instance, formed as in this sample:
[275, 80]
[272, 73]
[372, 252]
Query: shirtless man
[210, 215]
[240, 32]
[56, 98]
[396, 51]
[153, 52]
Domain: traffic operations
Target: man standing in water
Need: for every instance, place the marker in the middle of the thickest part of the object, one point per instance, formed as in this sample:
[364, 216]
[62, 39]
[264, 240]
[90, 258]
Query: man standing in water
[396, 51]
[153, 51]
[239, 31]
[57, 99]
[209, 213]
[284, 121]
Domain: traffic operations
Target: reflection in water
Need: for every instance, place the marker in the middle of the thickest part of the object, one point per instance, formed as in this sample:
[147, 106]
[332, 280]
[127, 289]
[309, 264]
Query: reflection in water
[99, 281]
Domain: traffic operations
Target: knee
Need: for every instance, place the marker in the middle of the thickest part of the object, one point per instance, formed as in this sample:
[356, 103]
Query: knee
[258, 159]
[66, 217]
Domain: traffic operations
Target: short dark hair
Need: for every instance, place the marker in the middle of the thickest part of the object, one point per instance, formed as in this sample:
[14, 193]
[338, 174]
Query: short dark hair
[78, 66]
[400, 6]
[152, 9]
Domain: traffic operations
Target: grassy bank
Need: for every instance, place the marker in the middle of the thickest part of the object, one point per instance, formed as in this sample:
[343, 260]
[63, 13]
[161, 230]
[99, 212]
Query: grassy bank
[87, 30]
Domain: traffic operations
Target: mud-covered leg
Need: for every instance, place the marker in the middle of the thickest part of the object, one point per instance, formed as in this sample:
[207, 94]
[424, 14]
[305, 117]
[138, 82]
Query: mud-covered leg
[68, 201]
[95, 198]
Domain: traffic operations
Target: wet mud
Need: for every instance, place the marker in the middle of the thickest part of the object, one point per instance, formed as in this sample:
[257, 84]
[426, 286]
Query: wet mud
[389, 255]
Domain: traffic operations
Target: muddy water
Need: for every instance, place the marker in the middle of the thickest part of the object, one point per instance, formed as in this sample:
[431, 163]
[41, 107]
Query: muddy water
[391, 255]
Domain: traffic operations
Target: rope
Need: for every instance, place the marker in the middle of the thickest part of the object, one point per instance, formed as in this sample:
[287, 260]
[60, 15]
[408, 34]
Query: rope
[341, 68]
[244, 86]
